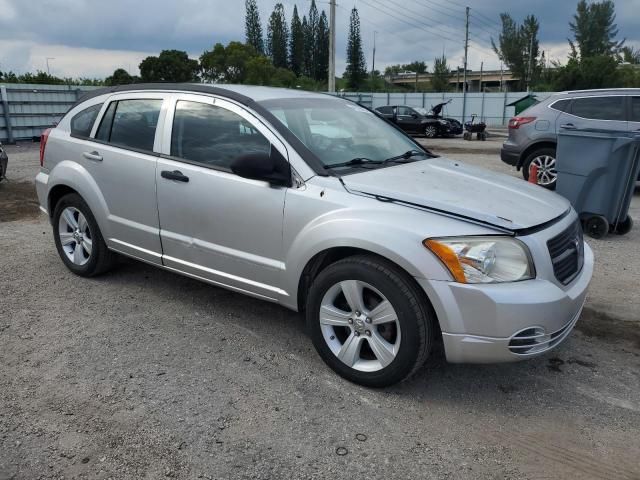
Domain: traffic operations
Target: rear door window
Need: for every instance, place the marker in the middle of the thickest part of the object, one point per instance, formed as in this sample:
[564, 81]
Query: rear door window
[599, 108]
[131, 123]
[212, 135]
[82, 122]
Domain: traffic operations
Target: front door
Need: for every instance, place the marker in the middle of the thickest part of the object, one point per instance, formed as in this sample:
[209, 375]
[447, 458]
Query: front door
[606, 112]
[408, 119]
[214, 224]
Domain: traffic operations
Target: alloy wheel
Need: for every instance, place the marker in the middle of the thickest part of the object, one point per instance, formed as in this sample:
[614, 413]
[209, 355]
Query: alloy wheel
[547, 173]
[360, 326]
[430, 131]
[75, 236]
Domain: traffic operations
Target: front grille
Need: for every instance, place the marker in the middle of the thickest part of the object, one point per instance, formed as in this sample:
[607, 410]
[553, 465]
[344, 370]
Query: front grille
[567, 253]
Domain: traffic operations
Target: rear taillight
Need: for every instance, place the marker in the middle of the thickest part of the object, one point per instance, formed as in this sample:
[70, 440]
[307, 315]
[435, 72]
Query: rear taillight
[43, 144]
[517, 122]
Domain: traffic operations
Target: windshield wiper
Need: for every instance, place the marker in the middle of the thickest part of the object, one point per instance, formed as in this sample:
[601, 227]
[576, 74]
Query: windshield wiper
[405, 156]
[354, 162]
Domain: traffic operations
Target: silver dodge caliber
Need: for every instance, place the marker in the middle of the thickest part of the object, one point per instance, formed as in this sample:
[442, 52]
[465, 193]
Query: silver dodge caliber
[320, 205]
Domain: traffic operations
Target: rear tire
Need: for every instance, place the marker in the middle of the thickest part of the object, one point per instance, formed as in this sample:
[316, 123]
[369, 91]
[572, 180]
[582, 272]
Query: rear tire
[545, 158]
[430, 131]
[78, 239]
[358, 335]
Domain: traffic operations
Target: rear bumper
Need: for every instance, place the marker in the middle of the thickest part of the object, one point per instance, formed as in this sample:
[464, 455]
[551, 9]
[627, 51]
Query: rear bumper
[4, 161]
[42, 185]
[494, 323]
[510, 157]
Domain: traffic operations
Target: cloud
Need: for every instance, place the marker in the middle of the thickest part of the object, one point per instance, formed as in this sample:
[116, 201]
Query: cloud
[88, 37]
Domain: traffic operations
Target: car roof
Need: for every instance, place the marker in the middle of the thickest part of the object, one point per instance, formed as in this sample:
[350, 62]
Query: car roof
[586, 93]
[245, 94]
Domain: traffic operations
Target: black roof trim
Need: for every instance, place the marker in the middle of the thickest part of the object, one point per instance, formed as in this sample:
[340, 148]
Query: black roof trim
[310, 158]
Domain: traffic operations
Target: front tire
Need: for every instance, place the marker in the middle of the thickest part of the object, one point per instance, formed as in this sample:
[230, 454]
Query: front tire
[78, 239]
[369, 321]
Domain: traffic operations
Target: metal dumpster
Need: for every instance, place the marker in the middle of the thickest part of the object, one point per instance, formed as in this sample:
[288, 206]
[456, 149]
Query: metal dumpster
[597, 171]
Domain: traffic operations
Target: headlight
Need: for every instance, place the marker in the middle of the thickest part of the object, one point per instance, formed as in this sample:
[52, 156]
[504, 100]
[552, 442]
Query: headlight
[483, 259]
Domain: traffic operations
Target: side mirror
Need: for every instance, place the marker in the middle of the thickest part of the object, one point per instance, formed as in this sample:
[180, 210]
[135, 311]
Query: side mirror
[414, 115]
[270, 167]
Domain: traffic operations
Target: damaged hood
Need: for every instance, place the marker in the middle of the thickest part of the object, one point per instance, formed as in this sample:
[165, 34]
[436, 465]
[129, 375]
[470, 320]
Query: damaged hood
[453, 187]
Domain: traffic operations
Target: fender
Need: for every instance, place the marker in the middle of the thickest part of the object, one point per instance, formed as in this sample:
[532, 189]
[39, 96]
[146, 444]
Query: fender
[369, 230]
[73, 175]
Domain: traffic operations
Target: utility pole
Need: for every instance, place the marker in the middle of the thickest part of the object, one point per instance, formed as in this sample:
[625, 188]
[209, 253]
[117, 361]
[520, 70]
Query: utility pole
[373, 63]
[464, 77]
[501, 77]
[481, 68]
[47, 59]
[332, 46]
[530, 60]
[457, 78]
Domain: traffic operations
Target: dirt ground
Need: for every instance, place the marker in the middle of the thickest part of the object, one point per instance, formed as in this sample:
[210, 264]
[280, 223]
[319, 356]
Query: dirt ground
[143, 374]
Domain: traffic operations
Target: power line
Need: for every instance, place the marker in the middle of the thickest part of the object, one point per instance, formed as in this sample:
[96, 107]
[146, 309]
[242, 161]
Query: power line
[406, 22]
[487, 18]
[433, 4]
[405, 40]
[429, 25]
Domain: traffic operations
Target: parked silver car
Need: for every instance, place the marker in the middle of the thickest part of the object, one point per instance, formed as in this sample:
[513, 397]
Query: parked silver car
[533, 135]
[318, 204]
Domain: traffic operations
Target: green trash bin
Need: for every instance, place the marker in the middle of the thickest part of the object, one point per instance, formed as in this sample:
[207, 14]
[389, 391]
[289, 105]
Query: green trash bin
[597, 171]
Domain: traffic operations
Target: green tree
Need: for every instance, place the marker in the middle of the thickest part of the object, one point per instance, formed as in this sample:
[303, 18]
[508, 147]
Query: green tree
[41, 78]
[441, 75]
[296, 43]
[277, 37]
[119, 77]
[259, 71]
[227, 64]
[518, 47]
[253, 27]
[356, 71]
[631, 55]
[169, 66]
[321, 54]
[600, 71]
[594, 30]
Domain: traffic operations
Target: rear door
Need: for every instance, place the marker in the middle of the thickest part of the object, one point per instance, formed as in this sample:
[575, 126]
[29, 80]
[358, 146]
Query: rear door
[607, 112]
[122, 157]
[214, 224]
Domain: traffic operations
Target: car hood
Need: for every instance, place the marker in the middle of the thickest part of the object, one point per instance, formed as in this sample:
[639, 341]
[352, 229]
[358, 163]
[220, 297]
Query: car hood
[454, 188]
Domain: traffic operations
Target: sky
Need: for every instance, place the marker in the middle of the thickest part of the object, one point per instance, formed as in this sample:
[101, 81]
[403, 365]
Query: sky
[91, 38]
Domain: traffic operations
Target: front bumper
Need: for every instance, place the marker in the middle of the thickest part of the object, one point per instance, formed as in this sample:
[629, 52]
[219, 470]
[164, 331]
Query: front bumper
[487, 323]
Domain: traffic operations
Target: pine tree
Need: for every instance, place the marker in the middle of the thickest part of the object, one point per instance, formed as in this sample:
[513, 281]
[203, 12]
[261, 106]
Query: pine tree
[594, 30]
[307, 53]
[322, 48]
[278, 37]
[310, 41]
[296, 44]
[356, 65]
[253, 27]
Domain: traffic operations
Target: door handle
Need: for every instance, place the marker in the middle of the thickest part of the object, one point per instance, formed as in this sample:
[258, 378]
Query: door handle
[175, 175]
[568, 126]
[95, 156]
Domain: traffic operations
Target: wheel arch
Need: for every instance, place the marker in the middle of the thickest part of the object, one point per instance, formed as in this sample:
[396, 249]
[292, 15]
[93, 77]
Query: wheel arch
[323, 259]
[532, 148]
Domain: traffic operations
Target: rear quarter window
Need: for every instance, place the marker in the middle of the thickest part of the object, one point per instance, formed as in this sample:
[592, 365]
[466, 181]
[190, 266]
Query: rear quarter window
[561, 105]
[82, 122]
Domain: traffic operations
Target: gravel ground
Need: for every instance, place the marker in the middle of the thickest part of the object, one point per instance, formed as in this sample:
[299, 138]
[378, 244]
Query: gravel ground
[145, 374]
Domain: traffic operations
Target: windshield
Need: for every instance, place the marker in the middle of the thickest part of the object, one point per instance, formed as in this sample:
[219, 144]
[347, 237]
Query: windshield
[338, 131]
[421, 111]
